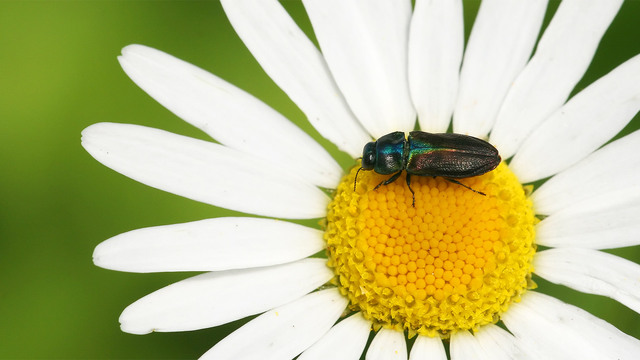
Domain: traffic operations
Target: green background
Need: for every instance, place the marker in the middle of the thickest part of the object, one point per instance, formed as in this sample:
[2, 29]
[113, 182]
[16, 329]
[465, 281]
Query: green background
[58, 75]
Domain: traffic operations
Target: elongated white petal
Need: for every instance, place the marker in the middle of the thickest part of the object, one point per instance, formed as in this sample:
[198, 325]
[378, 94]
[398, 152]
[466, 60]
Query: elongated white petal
[464, 346]
[297, 67]
[612, 170]
[365, 46]
[592, 224]
[209, 245]
[562, 57]
[228, 114]
[216, 298]
[284, 332]
[489, 343]
[203, 171]
[592, 272]
[436, 40]
[582, 125]
[499, 344]
[388, 344]
[427, 348]
[346, 340]
[540, 321]
[500, 44]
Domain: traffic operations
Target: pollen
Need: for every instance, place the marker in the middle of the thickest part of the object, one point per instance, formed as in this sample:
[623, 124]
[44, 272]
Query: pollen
[455, 261]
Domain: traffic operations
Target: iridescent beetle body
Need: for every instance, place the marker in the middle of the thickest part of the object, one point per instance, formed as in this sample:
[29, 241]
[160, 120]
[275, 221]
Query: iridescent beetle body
[451, 156]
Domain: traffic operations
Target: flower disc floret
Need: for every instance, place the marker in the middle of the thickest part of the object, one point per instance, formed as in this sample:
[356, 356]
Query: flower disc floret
[455, 261]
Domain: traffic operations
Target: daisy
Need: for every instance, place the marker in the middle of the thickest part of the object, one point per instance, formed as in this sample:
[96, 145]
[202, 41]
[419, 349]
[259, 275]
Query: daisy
[456, 267]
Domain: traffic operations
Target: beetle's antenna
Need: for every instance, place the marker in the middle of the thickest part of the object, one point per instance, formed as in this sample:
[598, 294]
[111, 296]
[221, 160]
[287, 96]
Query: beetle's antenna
[356, 179]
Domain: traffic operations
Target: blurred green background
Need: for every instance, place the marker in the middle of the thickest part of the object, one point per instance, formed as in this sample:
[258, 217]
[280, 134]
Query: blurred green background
[59, 74]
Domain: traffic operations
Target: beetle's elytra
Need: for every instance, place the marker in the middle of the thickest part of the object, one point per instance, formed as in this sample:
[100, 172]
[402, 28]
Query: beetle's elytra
[450, 156]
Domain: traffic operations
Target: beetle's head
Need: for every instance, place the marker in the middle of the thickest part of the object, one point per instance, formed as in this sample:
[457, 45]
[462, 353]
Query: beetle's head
[368, 160]
[369, 156]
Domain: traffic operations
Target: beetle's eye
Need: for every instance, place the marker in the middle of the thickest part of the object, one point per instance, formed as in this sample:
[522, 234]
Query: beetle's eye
[370, 159]
[369, 156]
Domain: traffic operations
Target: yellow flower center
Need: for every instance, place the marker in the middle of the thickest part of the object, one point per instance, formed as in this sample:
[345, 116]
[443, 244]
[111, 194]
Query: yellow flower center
[454, 261]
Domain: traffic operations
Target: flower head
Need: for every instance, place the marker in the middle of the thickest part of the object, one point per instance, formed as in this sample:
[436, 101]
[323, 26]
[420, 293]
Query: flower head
[425, 261]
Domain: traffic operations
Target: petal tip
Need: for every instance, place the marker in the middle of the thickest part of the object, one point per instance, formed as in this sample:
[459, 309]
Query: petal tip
[129, 324]
[134, 48]
[133, 330]
[89, 133]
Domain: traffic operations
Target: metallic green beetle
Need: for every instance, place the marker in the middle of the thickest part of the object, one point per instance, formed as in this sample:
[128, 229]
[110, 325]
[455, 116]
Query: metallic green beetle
[450, 156]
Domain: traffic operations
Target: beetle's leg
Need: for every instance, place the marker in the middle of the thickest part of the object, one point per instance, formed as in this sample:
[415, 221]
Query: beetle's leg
[461, 184]
[393, 178]
[410, 189]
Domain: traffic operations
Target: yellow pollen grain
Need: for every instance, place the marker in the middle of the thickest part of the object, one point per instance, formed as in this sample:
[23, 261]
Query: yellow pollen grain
[455, 261]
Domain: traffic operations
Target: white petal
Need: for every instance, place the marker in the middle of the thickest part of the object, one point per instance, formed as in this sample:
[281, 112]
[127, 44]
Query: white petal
[592, 272]
[500, 44]
[365, 46]
[435, 52]
[203, 171]
[563, 331]
[209, 245]
[216, 298]
[489, 343]
[428, 348]
[592, 224]
[499, 344]
[228, 114]
[346, 340]
[297, 67]
[284, 332]
[562, 57]
[582, 125]
[464, 346]
[610, 171]
[388, 344]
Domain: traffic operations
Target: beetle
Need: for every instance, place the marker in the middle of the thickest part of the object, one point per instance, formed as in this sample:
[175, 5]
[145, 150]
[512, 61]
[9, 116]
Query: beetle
[450, 156]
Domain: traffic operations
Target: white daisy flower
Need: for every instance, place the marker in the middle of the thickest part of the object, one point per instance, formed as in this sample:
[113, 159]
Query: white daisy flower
[457, 266]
